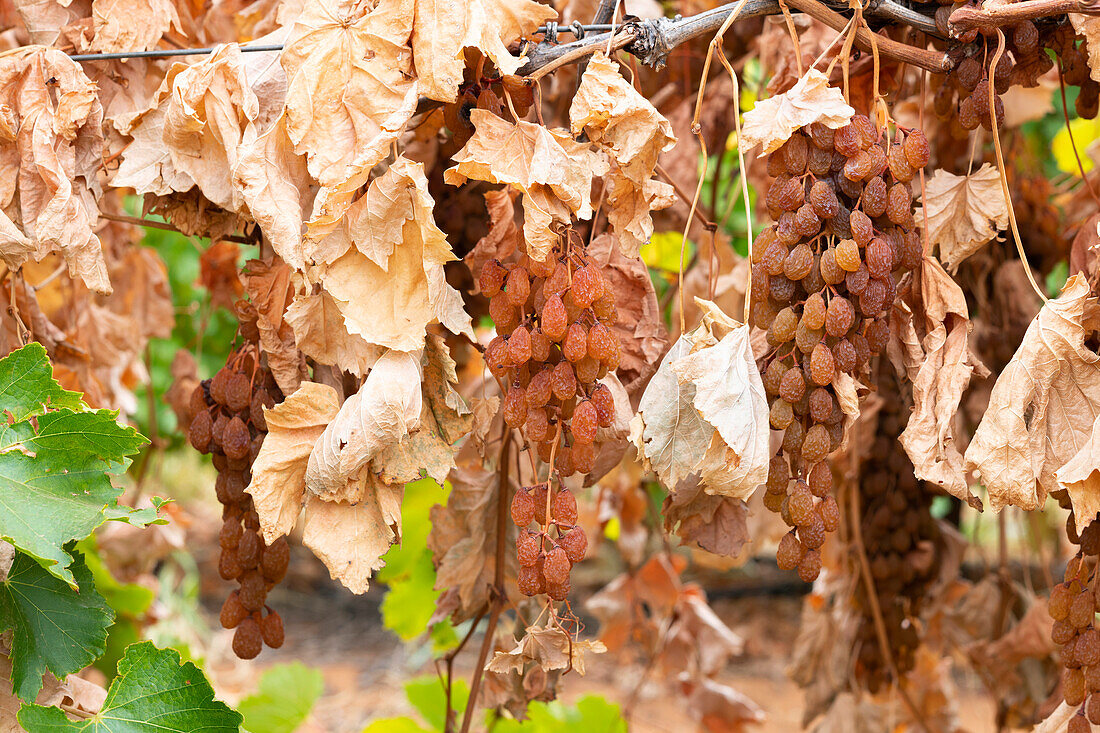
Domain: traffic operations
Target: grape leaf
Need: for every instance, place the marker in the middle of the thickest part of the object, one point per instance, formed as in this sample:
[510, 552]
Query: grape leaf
[54, 482]
[152, 692]
[27, 384]
[287, 693]
[55, 627]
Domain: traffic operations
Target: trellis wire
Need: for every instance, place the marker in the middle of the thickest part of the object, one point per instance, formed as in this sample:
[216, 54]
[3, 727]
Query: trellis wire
[550, 30]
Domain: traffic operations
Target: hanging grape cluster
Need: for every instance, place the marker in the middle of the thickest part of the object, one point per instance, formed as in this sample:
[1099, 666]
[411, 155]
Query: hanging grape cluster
[229, 424]
[823, 279]
[900, 538]
[963, 94]
[1073, 607]
[554, 343]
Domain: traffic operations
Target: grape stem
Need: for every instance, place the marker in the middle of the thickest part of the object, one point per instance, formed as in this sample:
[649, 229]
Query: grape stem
[498, 595]
[998, 13]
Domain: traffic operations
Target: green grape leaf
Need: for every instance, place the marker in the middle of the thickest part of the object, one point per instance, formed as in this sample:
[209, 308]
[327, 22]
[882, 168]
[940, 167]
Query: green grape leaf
[590, 713]
[428, 695]
[286, 695]
[401, 724]
[55, 485]
[153, 693]
[27, 385]
[55, 627]
[409, 573]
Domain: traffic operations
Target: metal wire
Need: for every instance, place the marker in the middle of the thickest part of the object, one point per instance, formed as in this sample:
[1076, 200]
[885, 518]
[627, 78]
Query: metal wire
[551, 30]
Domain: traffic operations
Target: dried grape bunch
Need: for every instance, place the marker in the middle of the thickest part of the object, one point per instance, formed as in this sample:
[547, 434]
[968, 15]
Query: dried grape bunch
[963, 94]
[901, 539]
[823, 280]
[229, 424]
[554, 344]
[1073, 607]
[547, 554]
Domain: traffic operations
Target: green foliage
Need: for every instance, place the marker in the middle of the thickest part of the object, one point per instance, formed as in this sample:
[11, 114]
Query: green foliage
[152, 692]
[286, 694]
[129, 601]
[55, 463]
[591, 713]
[55, 628]
[409, 572]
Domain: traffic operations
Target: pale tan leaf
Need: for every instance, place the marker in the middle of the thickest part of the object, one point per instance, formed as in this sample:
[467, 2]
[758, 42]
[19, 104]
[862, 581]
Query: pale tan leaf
[1043, 406]
[146, 164]
[268, 285]
[729, 394]
[630, 208]
[381, 414]
[320, 333]
[444, 419]
[444, 28]
[1080, 476]
[964, 212]
[550, 647]
[209, 116]
[772, 121]
[350, 539]
[351, 85]
[616, 116]
[131, 25]
[50, 156]
[671, 437]
[411, 291]
[279, 471]
[554, 172]
[1088, 26]
[272, 180]
[46, 20]
[940, 372]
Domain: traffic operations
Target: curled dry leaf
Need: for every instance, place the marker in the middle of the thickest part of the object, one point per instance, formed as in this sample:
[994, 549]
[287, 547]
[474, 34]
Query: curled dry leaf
[705, 411]
[640, 328]
[51, 140]
[553, 172]
[463, 540]
[504, 237]
[614, 116]
[964, 212]
[351, 538]
[131, 25]
[381, 414]
[146, 164]
[445, 28]
[398, 260]
[939, 365]
[1043, 406]
[209, 115]
[321, 334]
[268, 285]
[1088, 26]
[772, 121]
[279, 471]
[351, 85]
[1080, 476]
[272, 180]
[717, 524]
[550, 647]
[720, 708]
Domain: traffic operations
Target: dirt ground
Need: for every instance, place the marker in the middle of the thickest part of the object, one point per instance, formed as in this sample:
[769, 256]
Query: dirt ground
[364, 665]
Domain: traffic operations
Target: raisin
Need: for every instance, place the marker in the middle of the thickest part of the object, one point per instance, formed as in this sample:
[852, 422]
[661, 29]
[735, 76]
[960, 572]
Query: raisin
[247, 639]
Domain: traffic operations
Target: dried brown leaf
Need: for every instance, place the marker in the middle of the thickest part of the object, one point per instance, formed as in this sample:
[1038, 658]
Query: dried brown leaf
[320, 333]
[553, 172]
[1043, 406]
[550, 647]
[278, 474]
[773, 120]
[964, 212]
[715, 523]
[445, 28]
